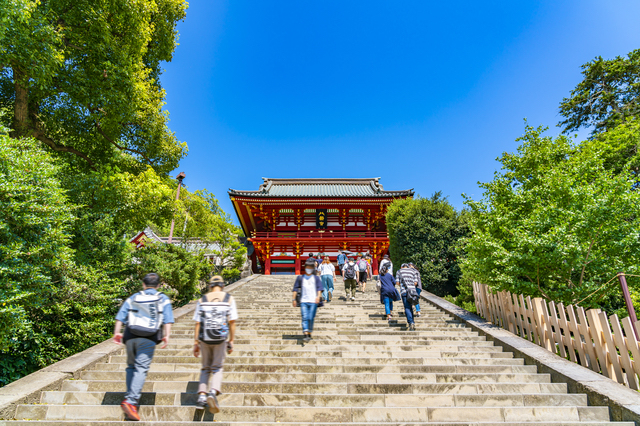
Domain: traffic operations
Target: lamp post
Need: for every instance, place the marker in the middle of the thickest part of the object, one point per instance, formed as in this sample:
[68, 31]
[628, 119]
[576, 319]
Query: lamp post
[179, 177]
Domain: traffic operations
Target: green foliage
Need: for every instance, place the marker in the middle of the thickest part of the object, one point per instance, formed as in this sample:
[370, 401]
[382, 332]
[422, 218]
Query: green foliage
[52, 307]
[465, 298]
[231, 275]
[203, 220]
[83, 78]
[619, 148]
[555, 223]
[178, 268]
[34, 232]
[427, 231]
[606, 97]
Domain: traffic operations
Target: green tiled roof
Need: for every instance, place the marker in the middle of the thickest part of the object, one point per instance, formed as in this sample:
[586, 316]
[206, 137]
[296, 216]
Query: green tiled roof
[348, 188]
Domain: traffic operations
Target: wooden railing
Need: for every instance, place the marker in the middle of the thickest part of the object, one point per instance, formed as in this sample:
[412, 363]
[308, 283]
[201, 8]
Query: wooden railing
[589, 338]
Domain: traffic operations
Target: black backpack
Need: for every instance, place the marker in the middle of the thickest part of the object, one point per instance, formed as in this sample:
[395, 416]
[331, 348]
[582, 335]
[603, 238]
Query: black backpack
[350, 272]
[384, 269]
[412, 295]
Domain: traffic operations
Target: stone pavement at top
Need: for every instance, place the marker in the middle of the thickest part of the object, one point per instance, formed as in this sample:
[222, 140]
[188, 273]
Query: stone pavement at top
[358, 369]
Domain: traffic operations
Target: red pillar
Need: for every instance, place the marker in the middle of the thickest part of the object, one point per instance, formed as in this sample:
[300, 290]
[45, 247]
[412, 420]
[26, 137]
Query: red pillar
[267, 266]
[298, 265]
[374, 265]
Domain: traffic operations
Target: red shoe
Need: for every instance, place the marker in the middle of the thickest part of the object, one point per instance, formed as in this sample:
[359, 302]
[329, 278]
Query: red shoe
[130, 411]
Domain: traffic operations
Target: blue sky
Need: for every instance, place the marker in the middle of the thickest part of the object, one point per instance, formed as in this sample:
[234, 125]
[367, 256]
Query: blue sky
[424, 94]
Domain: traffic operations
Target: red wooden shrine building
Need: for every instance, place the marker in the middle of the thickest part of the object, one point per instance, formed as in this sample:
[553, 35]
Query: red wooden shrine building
[286, 219]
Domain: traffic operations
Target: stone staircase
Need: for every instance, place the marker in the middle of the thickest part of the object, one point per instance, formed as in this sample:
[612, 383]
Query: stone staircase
[359, 369]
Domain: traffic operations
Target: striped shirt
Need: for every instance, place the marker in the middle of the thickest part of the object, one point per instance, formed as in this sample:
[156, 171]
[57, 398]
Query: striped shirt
[406, 276]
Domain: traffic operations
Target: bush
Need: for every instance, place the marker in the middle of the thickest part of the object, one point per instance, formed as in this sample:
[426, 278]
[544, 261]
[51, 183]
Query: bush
[427, 232]
[34, 237]
[178, 268]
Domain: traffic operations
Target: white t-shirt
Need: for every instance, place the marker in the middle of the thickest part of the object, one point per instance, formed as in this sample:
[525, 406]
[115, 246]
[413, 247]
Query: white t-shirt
[327, 269]
[390, 270]
[308, 289]
[232, 314]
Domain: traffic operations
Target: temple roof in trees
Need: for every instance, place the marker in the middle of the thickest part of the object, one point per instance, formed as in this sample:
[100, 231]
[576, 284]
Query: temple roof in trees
[356, 188]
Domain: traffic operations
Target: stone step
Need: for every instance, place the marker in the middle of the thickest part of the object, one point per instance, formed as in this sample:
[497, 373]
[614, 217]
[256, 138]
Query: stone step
[325, 388]
[313, 368]
[279, 339]
[413, 357]
[336, 377]
[315, 414]
[314, 347]
[239, 364]
[278, 423]
[322, 400]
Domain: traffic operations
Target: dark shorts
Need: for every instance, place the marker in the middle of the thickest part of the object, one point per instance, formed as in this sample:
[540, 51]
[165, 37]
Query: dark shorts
[363, 277]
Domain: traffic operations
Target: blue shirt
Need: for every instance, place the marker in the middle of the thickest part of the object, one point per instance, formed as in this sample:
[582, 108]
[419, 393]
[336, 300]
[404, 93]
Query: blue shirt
[167, 311]
[341, 258]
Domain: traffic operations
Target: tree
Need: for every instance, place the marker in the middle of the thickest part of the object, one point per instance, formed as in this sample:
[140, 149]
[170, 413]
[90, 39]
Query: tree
[35, 231]
[51, 307]
[427, 231]
[181, 270]
[606, 97]
[203, 220]
[619, 148]
[82, 77]
[554, 223]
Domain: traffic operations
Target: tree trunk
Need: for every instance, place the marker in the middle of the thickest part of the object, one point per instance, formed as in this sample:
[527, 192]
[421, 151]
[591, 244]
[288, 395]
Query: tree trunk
[21, 106]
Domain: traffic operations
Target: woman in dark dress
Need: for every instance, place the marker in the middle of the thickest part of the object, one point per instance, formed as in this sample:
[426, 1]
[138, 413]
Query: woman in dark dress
[388, 292]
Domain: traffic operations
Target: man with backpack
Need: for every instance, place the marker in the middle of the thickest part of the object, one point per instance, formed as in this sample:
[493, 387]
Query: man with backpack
[408, 282]
[148, 317]
[215, 317]
[350, 274]
[363, 272]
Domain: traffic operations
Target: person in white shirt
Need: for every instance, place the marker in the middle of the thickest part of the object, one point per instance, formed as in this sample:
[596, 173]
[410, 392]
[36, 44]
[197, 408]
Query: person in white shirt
[327, 276]
[385, 260]
[307, 292]
[213, 354]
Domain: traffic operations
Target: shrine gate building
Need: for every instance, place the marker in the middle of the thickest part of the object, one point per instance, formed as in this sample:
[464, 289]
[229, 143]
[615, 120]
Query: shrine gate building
[286, 219]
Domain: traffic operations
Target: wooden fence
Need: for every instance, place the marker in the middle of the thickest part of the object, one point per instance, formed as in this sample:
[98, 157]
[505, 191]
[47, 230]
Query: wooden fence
[589, 338]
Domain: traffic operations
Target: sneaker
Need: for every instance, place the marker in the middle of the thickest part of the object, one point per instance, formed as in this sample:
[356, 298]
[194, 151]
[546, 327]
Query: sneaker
[418, 313]
[307, 338]
[202, 402]
[353, 298]
[330, 296]
[412, 327]
[130, 411]
[212, 402]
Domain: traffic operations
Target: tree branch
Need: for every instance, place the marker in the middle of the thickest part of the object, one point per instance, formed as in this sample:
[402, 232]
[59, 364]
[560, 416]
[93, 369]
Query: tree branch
[120, 147]
[61, 148]
[586, 262]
